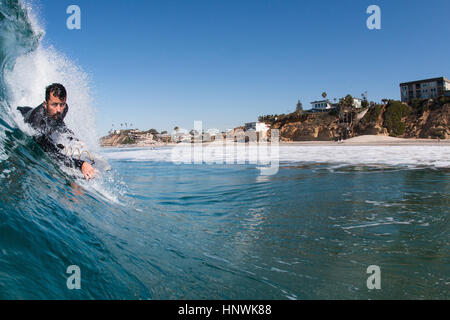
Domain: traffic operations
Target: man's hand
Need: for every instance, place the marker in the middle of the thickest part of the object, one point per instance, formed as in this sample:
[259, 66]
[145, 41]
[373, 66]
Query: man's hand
[88, 171]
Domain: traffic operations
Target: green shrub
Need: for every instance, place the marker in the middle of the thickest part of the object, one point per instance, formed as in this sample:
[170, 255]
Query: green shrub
[422, 105]
[395, 111]
[438, 133]
[334, 113]
[417, 104]
[364, 103]
[444, 100]
[372, 115]
[129, 140]
[153, 132]
[270, 118]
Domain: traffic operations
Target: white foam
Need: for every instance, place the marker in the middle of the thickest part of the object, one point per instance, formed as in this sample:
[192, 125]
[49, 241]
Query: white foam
[34, 71]
[376, 224]
[3, 155]
[27, 81]
[33, 9]
[277, 270]
[410, 155]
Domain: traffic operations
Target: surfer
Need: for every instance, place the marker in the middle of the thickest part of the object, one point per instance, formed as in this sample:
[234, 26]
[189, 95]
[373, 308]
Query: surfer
[48, 120]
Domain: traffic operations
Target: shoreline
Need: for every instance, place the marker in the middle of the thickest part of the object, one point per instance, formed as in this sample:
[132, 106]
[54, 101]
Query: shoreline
[366, 140]
[372, 140]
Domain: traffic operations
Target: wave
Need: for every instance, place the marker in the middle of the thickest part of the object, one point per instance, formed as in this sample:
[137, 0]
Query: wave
[50, 219]
[435, 157]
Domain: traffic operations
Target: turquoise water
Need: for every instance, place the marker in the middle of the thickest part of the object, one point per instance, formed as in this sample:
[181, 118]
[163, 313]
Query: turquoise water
[308, 232]
[152, 229]
[223, 232]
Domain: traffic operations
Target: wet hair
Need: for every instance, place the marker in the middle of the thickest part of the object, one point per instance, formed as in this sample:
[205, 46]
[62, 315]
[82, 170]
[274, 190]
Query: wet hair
[57, 90]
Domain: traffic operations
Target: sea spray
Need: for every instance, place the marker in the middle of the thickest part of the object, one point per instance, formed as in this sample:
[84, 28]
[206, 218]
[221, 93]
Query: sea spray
[47, 221]
[34, 71]
[28, 67]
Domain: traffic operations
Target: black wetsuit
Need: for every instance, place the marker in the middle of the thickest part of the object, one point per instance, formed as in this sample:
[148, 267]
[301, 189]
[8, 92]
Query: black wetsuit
[47, 129]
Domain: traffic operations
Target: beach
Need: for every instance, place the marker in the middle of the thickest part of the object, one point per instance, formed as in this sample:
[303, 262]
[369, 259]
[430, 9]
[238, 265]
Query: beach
[368, 140]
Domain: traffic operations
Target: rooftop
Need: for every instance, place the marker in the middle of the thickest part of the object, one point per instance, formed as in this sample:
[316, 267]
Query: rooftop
[425, 80]
[320, 101]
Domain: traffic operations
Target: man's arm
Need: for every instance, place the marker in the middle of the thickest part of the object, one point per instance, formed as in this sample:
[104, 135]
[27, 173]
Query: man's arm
[86, 168]
[56, 151]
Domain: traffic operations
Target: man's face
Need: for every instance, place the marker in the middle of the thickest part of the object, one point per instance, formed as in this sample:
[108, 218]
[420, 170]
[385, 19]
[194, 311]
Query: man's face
[55, 107]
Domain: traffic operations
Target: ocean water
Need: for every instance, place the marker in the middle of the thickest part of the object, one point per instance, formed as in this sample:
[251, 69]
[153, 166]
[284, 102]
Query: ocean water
[308, 232]
[155, 228]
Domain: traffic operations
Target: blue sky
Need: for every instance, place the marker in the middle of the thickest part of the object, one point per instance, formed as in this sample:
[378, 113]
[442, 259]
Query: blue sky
[158, 64]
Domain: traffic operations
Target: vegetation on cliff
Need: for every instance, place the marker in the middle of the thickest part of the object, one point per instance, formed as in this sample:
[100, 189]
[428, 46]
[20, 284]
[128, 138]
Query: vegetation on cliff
[394, 117]
[423, 119]
[129, 137]
[372, 115]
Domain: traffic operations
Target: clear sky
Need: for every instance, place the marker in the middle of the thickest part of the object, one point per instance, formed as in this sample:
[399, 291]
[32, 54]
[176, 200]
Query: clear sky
[158, 64]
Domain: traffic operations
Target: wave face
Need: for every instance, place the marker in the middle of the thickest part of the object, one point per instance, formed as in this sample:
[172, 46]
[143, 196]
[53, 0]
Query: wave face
[47, 220]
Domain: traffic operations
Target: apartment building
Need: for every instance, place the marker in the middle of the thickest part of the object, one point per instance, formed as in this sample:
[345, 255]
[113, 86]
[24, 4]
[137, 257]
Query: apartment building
[424, 89]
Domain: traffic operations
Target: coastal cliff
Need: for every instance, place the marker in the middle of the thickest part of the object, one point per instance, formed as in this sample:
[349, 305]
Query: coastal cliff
[424, 119]
[131, 138]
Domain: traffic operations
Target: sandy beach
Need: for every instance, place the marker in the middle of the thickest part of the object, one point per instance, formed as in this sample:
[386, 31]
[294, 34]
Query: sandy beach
[369, 140]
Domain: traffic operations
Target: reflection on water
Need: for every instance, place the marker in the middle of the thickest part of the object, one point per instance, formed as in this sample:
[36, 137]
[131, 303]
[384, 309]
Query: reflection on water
[309, 232]
[226, 232]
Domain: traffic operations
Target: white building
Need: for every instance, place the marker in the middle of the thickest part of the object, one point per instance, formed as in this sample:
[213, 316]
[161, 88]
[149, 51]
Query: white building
[257, 126]
[322, 105]
[181, 135]
[326, 105]
[261, 130]
[357, 103]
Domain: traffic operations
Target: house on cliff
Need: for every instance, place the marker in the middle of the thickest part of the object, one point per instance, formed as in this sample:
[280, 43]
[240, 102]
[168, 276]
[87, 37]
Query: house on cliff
[424, 89]
[326, 105]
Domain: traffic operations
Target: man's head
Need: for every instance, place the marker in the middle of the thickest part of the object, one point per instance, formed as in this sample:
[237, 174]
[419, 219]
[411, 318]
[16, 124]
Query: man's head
[55, 101]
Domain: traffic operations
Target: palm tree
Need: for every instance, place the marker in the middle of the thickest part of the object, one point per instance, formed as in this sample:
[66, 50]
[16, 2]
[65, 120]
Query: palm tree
[324, 94]
[364, 95]
[299, 108]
